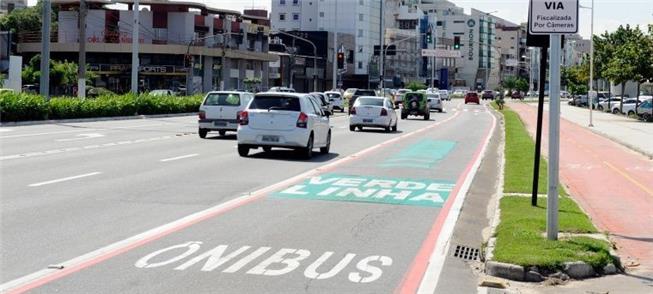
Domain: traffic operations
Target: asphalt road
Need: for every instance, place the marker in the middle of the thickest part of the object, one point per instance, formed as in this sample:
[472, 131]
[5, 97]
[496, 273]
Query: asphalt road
[146, 206]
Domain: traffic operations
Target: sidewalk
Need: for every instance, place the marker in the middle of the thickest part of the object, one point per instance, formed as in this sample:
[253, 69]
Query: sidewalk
[613, 184]
[634, 134]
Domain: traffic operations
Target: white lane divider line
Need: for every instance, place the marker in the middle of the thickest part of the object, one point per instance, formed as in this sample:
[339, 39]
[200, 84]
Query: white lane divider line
[179, 157]
[82, 137]
[70, 149]
[2, 130]
[64, 179]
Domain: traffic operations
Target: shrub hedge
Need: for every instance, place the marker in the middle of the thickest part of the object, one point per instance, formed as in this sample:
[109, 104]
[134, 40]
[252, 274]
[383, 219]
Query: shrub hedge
[23, 107]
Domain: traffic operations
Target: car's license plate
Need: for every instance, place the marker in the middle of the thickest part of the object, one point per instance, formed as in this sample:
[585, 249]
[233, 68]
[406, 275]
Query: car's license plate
[274, 139]
[220, 123]
[368, 120]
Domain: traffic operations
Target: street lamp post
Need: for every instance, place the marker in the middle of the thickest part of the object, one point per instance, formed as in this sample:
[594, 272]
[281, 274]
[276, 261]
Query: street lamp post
[314, 55]
[189, 73]
[385, 49]
[591, 88]
[487, 69]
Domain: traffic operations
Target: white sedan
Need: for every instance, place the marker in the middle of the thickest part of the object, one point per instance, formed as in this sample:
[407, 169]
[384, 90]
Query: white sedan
[284, 120]
[373, 112]
[434, 101]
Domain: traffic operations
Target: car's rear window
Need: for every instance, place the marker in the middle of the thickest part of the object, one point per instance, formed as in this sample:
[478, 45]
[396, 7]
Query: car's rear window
[223, 99]
[370, 101]
[333, 95]
[275, 102]
[410, 96]
[365, 93]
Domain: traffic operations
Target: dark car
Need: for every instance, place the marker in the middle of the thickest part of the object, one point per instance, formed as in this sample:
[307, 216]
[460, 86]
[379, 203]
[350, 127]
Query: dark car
[516, 95]
[416, 104]
[487, 94]
[472, 97]
[358, 93]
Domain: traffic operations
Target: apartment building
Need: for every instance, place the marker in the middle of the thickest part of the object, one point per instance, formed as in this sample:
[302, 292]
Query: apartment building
[182, 45]
[360, 18]
[478, 66]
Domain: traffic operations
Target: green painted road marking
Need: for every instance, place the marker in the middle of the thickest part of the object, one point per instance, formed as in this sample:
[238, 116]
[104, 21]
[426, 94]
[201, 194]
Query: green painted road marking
[424, 154]
[350, 188]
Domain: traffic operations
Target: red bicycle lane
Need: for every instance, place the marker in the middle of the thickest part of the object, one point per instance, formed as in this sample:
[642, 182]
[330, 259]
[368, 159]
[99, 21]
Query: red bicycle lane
[613, 184]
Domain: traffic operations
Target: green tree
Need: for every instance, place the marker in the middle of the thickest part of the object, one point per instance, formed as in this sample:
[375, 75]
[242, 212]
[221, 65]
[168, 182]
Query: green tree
[415, 85]
[620, 69]
[510, 83]
[521, 85]
[626, 56]
[27, 20]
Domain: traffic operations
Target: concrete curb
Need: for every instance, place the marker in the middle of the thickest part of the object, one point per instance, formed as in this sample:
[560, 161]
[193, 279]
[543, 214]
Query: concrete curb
[92, 119]
[613, 139]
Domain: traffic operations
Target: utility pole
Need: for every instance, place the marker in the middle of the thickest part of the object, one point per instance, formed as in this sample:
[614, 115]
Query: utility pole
[382, 53]
[590, 97]
[81, 78]
[334, 75]
[45, 51]
[135, 49]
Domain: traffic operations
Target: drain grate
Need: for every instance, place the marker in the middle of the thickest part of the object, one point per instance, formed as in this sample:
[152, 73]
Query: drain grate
[466, 253]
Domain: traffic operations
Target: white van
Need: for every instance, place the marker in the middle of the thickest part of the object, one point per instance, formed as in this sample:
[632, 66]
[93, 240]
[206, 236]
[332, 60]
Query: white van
[220, 111]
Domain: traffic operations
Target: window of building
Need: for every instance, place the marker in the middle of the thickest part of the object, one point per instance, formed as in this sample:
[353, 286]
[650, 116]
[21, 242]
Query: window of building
[321, 13]
[438, 23]
[295, 16]
[282, 2]
[295, 2]
[360, 17]
[458, 21]
[360, 33]
[360, 65]
[282, 16]
[361, 2]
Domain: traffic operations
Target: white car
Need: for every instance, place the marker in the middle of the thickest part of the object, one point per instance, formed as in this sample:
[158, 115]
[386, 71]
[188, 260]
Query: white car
[373, 112]
[629, 106]
[399, 96]
[444, 95]
[326, 105]
[282, 89]
[284, 120]
[162, 92]
[336, 100]
[220, 111]
[611, 102]
[434, 101]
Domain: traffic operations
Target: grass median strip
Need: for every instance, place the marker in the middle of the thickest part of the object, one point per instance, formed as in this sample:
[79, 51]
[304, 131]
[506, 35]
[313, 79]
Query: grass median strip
[519, 235]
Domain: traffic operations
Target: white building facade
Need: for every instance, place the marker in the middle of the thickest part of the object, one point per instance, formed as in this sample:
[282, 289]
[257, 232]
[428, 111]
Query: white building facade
[360, 18]
[478, 66]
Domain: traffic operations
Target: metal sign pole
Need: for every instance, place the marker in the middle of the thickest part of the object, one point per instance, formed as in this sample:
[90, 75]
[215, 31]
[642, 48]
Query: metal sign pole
[538, 134]
[554, 138]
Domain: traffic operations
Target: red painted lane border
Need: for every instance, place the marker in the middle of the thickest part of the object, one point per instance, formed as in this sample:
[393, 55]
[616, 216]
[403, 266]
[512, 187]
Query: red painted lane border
[413, 278]
[75, 266]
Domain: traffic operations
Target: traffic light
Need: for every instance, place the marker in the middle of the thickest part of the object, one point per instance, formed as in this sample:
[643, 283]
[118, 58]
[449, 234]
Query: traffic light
[341, 60]
[429, 37]
[456, 43]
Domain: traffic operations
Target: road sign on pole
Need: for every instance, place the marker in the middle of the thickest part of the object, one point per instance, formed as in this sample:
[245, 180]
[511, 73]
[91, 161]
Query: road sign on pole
[553, 17]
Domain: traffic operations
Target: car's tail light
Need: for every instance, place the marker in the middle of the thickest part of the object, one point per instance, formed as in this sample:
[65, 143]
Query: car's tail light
[202, 114]
[302, 120]
[384, 112]
[353, 110]
[243, 118]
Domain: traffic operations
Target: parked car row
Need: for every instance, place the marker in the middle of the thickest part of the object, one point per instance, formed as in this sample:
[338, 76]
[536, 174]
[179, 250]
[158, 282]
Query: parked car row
[632, 107]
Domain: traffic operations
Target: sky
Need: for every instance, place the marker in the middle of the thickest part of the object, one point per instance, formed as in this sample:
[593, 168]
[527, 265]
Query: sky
[608, 15]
